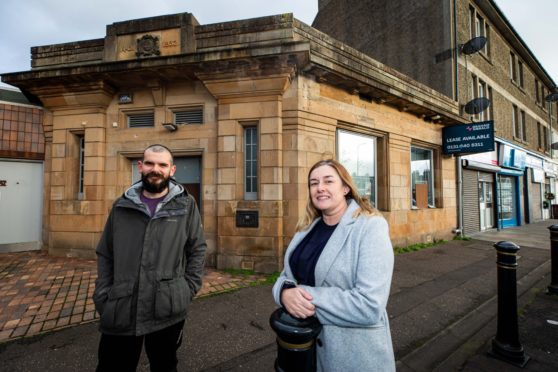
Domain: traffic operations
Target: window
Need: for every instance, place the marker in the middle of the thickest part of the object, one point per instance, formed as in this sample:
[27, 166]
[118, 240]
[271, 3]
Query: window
[137, 120]
[520, 73]
[422, 178]
[540, 136]
[481, 89]
[478, 27]
[251, 163]
[519, 124]
[546, 139]
[523, 125]
[537, 93]
[357, 153]
[513, 72]
[191, 115]
[81, 142]
[543, 139]
[516, 70]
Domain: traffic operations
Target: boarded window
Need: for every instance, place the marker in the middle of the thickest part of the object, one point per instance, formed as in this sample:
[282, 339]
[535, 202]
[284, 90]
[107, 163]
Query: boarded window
[146, 119]
[193, 115]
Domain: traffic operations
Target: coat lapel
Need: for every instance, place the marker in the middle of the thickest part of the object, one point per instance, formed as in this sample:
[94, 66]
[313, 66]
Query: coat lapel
[335, 244]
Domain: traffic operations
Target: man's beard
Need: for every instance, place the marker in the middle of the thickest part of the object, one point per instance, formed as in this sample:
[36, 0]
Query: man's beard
[152, 187]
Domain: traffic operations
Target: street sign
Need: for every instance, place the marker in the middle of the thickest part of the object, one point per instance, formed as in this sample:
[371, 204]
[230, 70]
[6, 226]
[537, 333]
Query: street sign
[468, 138]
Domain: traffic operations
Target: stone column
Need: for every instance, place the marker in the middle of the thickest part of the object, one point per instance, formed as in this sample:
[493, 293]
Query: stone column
[246, 100]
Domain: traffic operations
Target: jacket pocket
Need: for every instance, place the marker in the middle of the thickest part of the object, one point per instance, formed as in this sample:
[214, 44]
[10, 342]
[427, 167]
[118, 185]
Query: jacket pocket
[117, 310]
[172, 298]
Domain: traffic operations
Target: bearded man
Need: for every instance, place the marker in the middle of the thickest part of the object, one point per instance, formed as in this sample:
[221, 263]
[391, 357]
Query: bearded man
[150, 262]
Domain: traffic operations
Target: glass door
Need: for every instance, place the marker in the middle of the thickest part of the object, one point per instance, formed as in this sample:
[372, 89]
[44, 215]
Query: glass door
[486, 205]
[507, 198]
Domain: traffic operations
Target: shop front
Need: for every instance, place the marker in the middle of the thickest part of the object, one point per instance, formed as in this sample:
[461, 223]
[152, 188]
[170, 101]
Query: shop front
[512, 162]
[479, 191]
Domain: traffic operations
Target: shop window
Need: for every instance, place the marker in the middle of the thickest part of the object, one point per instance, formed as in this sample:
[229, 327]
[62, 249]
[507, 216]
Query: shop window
[143, 119]
[357, 153]
[422, 178]
[190, 115]
[250, 163]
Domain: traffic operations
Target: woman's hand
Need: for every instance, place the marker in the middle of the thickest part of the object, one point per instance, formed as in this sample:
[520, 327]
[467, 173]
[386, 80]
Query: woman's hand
[297, 302]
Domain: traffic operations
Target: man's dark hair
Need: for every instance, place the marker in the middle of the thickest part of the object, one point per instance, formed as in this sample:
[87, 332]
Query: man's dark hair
[159, 148]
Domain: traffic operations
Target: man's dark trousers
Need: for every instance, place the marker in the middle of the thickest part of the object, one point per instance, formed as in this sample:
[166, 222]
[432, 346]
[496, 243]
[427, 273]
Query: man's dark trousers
[122, 353]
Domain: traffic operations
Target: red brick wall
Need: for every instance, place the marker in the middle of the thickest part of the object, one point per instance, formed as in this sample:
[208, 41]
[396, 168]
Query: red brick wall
[21, 132]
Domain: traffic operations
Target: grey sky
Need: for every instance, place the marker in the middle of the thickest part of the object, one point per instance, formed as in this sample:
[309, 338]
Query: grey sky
[27, 23]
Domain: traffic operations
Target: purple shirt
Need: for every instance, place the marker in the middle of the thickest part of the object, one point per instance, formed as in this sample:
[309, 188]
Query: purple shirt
[151, 203]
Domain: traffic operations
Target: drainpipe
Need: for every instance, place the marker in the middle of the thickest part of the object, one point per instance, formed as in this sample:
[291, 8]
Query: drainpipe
[456, 53]
[459, 196]
[459, 229]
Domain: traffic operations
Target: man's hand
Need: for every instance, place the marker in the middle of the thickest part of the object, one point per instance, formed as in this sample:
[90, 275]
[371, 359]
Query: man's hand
[297, 302]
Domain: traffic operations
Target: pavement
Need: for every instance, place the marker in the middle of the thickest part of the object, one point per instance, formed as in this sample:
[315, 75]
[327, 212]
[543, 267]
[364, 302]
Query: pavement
[443, 311]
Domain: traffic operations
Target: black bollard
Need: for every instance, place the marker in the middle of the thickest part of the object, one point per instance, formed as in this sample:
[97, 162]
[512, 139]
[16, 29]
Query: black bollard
[296, 341]
[506, 345]
[553, 287]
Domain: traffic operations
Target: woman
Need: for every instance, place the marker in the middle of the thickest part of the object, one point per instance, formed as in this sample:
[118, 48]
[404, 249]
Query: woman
[338, 267]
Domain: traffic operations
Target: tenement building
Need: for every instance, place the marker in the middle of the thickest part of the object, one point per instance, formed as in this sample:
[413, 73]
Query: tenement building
[428, 41]
[247, 107]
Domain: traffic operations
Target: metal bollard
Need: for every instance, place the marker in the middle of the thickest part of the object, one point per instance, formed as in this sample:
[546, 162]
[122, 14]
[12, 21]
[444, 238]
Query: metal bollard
[296, 341]
[553, 287]
[506, 345]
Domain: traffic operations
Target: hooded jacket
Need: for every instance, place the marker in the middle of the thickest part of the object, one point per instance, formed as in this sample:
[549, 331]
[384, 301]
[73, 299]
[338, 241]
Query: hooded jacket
[149, 268]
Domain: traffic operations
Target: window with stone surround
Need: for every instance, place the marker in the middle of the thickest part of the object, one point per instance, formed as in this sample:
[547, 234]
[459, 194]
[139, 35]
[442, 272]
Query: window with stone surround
[481, 89]
[250, 161]
[357, 153]
[422, 178]
[479, 27]
[81, 141]
[516, 70]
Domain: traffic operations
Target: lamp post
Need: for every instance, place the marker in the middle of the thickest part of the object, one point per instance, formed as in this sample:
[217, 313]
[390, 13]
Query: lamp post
[551, 98]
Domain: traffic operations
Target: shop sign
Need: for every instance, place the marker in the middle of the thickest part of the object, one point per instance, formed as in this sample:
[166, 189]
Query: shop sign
[489, 157]
[511, 157]
[468, 138]
[538, 175]
[533, 161]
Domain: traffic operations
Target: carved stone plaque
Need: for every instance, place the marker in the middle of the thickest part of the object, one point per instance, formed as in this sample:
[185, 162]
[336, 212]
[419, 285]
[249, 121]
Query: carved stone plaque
[147, 45]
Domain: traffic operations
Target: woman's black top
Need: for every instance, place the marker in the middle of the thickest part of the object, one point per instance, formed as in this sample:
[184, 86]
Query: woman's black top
[306, 254]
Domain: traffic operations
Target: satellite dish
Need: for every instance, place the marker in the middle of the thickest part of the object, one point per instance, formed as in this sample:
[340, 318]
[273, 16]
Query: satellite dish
[552, 97]
[477, 105]
[473, 45]
[554, 146]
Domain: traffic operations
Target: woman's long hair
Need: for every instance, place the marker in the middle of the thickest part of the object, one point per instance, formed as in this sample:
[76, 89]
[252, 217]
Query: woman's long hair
[365, 208]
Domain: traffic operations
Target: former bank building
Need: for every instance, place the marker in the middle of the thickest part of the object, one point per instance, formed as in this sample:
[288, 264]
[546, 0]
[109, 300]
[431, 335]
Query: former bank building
[247, 107]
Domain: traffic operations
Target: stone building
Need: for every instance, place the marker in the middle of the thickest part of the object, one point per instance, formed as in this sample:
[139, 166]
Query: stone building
[247, 107]
[425, 40]
[22, 151]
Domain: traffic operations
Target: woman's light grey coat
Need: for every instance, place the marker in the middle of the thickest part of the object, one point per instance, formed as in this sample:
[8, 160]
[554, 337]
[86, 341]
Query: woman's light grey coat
[353, 278]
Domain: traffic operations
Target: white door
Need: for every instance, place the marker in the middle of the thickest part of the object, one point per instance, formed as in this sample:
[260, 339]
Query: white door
[486, 205]
[21, 204]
